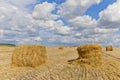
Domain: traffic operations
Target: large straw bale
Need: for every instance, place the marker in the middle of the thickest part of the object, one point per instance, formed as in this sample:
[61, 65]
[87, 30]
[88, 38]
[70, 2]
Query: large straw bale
[29, 55]
[91, 53]
[109, 48]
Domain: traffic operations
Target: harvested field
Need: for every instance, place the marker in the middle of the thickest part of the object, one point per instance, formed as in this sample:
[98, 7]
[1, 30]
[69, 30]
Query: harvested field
[58, 68]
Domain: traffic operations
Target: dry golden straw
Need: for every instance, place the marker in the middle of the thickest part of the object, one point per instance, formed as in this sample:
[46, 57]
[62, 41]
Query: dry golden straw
[109, 48]
[29, 55]
[90, 53]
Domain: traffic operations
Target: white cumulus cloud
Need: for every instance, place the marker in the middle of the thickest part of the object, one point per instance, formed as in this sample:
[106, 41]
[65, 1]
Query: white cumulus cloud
[43, 11]
[69, 26]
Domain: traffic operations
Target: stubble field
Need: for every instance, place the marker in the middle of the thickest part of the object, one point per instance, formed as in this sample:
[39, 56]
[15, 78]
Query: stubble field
[58, 67]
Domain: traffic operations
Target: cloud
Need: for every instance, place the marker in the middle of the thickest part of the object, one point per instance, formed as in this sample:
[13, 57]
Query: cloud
[21, 26]
[1, 33]
[73, 8]
[63, 30]
[105, 30]
[87, 29]
[109, 18]
[69, 26]
[15, 23]
[43, 11]
[6, 12]
[84, 22]
[22, 3]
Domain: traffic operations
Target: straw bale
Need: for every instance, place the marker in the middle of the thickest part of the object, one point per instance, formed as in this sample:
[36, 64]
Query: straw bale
[109, 48]
[29, 55]
[61, 47]
[92, 52]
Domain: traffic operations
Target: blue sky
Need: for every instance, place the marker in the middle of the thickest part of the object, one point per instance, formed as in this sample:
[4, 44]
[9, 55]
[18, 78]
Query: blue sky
[95, 9]
[60, 22]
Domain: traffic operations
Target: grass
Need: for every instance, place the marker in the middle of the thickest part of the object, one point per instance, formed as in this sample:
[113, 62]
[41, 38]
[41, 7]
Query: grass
[6, 44]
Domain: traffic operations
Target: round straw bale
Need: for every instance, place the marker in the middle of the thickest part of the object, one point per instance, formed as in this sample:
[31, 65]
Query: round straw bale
[109, 48]
[61, 47]
[29, 55]
[92, 52]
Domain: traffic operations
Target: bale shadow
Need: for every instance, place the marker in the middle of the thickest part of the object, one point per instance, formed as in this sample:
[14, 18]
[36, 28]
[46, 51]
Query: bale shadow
[73, 60]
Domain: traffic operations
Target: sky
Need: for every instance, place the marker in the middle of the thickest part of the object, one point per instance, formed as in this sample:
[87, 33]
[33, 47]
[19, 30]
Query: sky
[60, 22]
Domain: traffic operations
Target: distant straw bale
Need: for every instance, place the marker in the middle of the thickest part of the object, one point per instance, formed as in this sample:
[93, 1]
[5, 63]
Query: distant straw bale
[29, 55]
[91, 53]
[61, 47]
[109, 48]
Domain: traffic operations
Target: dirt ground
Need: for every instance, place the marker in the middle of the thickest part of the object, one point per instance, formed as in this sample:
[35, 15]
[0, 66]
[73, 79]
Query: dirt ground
[58, 68]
